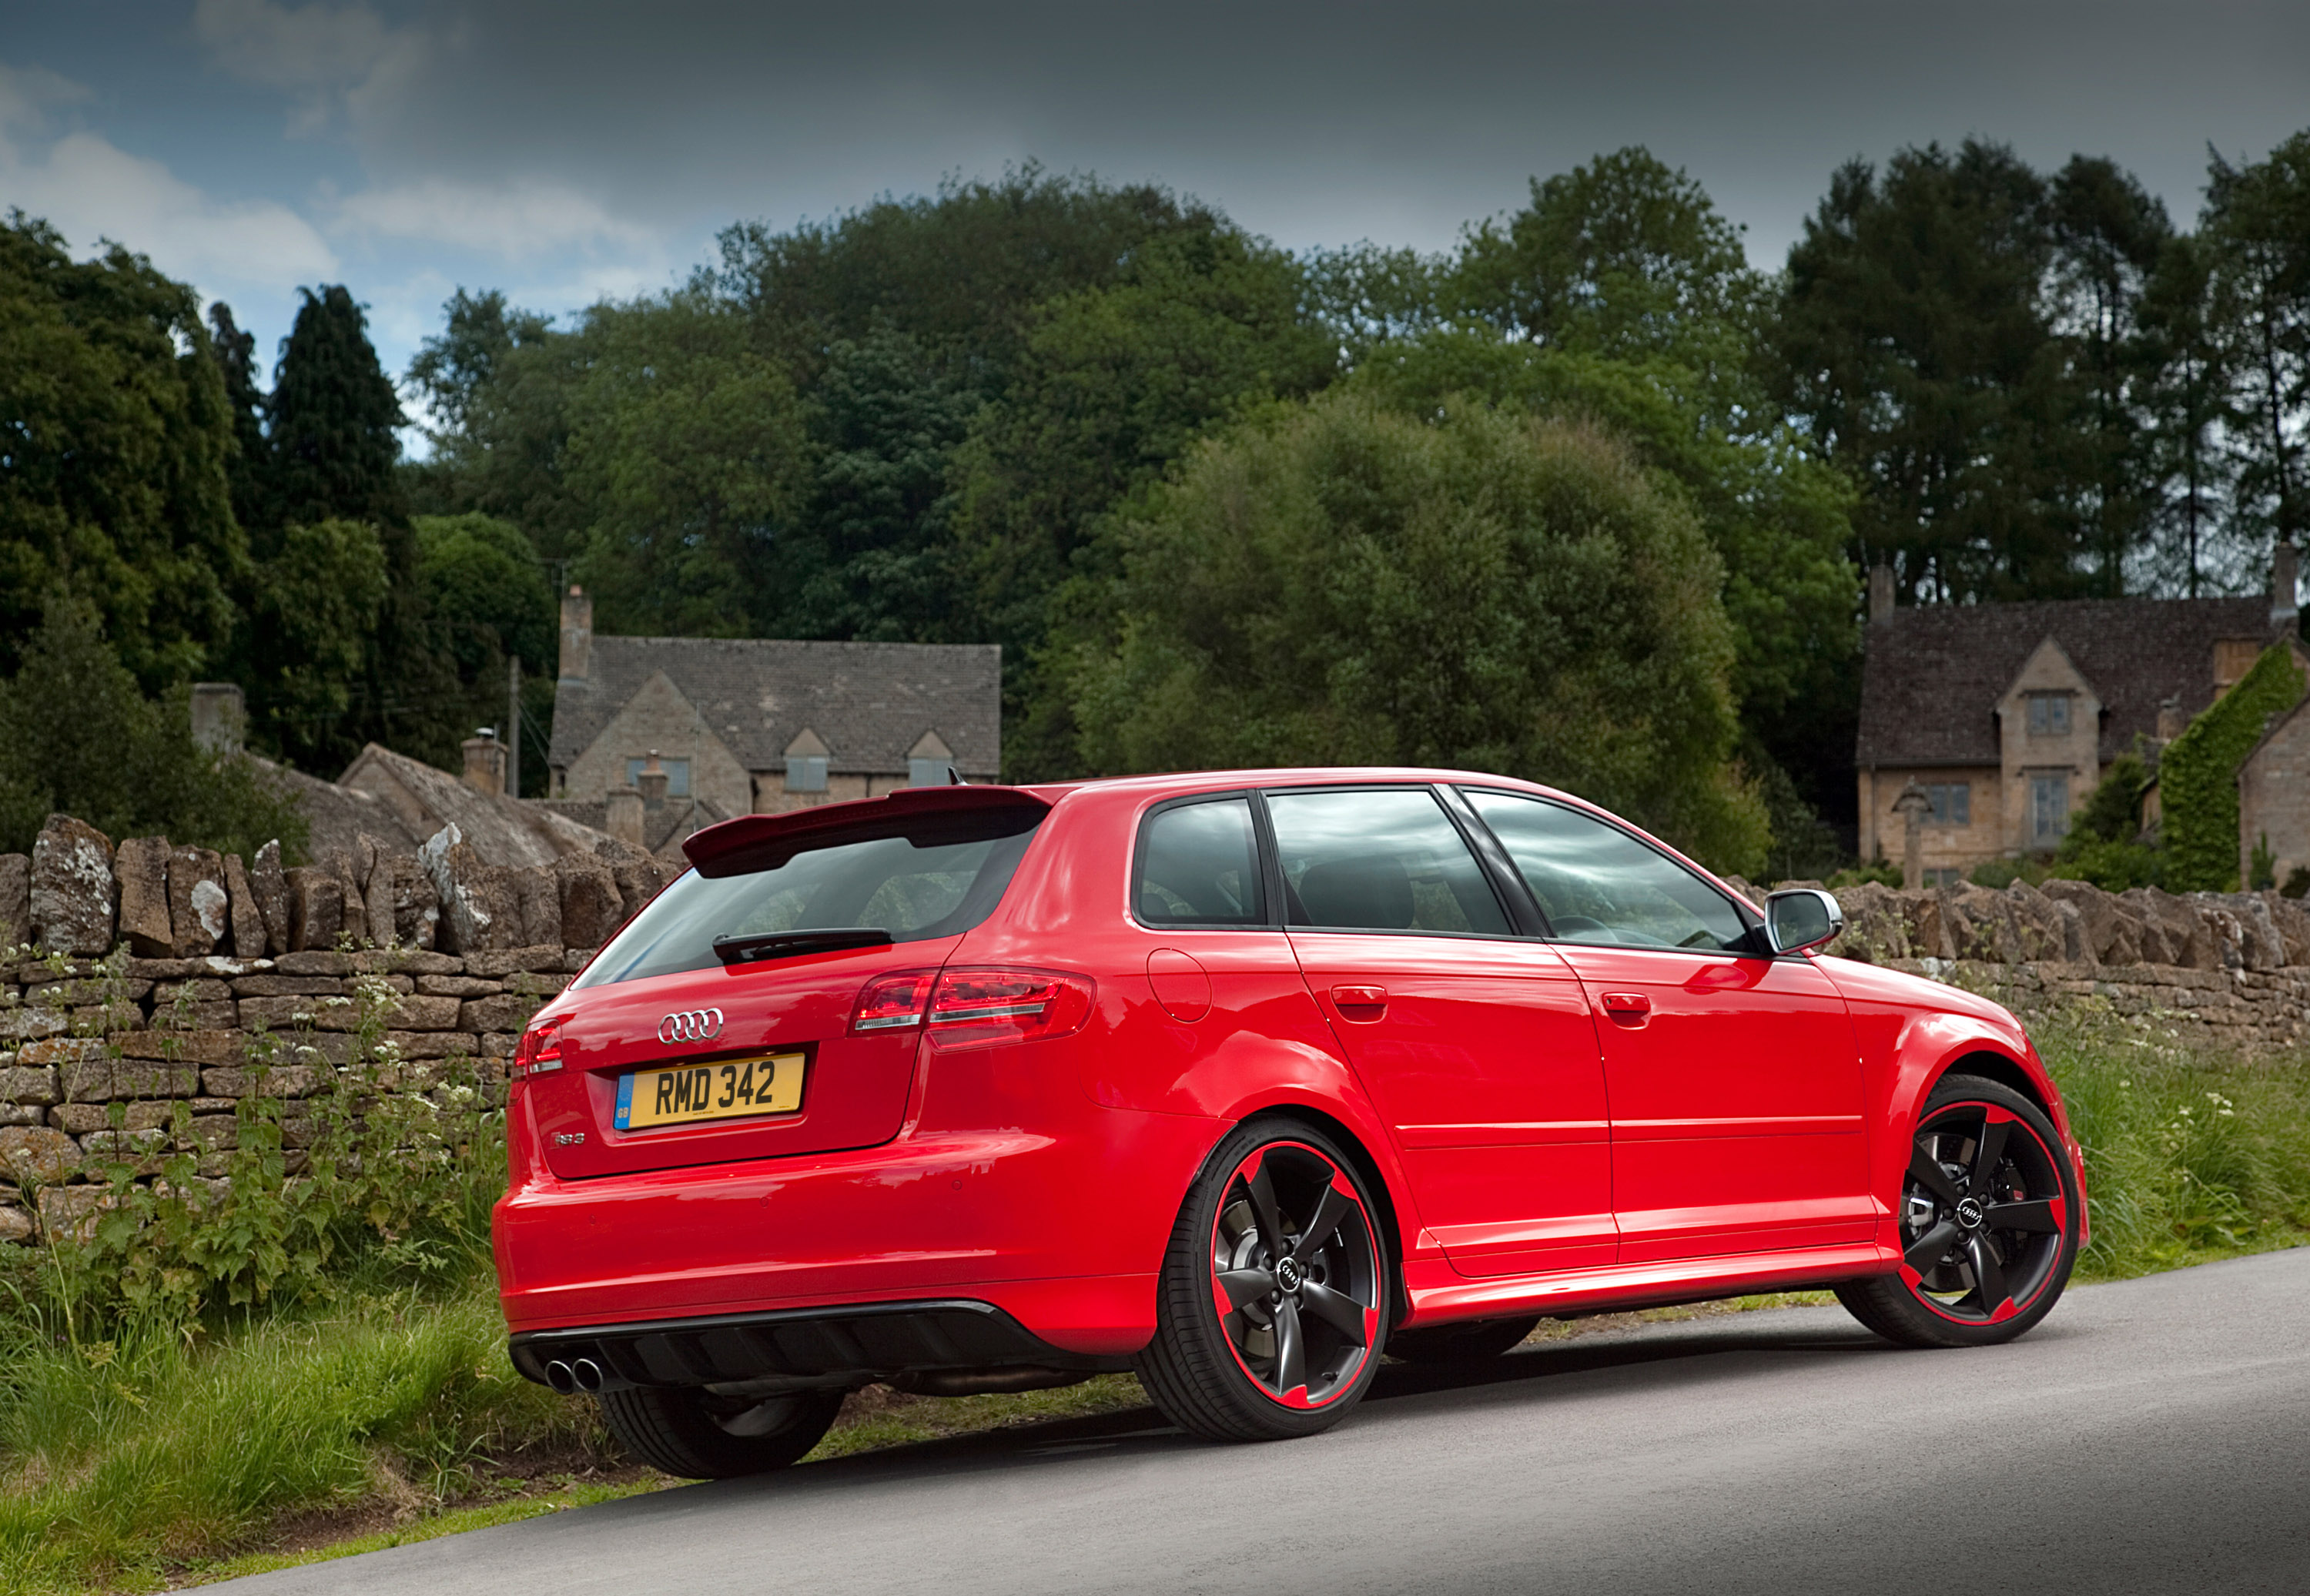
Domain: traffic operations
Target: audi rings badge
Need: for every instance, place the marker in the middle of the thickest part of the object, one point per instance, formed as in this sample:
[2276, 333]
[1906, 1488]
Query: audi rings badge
[690, 1025]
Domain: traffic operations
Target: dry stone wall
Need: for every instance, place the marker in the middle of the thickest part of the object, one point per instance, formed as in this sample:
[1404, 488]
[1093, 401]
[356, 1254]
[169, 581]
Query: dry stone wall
[146, 989]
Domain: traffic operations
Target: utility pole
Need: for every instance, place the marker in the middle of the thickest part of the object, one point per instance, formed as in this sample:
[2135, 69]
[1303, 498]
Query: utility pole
[513, 727]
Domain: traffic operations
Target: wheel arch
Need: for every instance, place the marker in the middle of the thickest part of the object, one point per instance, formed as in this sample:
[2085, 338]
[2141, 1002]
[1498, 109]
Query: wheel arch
[1352, 1144]
[1995, 1066]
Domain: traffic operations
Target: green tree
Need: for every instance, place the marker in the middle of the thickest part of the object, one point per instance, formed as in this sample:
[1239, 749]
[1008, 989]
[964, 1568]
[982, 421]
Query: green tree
[2197, 775]
[488, 595]
[2109, 235]
[2257, 226]
[2186, 472]
[252, 458]
[78, 736]
[1335, 582]
[1914, 340]
[689, 450]
[113, 478]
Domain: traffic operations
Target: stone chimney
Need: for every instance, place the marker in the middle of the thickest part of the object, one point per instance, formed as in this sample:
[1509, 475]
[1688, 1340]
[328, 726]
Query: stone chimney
[622, 815]
[2285, 589]
[651, 783]
[576, 634]
[485, 761]
[2171, 722]
[1880, 592]
[220, 717]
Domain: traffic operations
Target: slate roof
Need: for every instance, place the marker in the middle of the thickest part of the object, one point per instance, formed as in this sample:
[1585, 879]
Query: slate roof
[870, 702]
[1932, 674]
[402, 800]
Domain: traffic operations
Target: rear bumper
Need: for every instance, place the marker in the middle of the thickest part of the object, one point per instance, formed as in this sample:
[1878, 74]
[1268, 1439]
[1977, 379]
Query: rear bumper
[804, 1346]
[1062, 1235]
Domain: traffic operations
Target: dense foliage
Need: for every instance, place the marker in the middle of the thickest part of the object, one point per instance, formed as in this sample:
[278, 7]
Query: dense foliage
[2197, 775]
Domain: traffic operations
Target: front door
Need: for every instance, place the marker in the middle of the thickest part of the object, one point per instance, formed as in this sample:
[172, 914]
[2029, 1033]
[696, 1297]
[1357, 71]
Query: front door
[1736, 1081]
[1477, 1047]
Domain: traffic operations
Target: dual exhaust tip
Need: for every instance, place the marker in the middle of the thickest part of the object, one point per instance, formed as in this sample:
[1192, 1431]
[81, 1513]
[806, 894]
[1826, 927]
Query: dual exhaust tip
[577, 1374]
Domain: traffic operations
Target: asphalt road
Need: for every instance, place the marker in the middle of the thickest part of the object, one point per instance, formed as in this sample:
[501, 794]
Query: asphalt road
[2151, 1436]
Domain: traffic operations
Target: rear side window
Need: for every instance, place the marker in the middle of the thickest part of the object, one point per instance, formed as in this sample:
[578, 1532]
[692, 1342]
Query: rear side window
[1199, 866]
[1380, 860]
[937, 879]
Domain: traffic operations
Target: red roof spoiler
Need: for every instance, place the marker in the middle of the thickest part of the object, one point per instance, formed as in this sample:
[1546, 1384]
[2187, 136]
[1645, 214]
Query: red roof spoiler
[732, 846]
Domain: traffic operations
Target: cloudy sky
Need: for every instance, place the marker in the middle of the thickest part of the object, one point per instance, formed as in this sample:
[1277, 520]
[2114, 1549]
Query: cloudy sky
[566, 150]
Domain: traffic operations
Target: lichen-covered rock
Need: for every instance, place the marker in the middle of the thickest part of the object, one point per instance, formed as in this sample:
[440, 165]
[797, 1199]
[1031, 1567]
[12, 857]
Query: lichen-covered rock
[316, 907]
[416, 905]
[73, 892]
[2110, 933]
[2173, 932]
[640, 875]
[1876, 923]
[539, 895]
[2293, 926]
[16, 900]
[2040, 931]
[37, 1156]
[199, 910]
[479, 907]
[353, 917]
[248, 938]
[269, 885]
[141, 866]
[379, 927]
[591, 905]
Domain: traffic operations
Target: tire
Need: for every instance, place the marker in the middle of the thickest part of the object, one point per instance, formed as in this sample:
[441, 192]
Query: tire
[1272, 1304]
[694, 1434]
[1966, 1280]
[1478, 1340]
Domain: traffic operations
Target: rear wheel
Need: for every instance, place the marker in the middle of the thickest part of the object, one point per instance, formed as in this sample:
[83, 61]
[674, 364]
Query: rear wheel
[697, 1434]
[1478, 1340]
[1273, 1293]
[1989, 1220]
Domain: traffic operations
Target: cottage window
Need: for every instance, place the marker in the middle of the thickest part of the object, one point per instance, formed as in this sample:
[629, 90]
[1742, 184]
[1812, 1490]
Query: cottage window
[677, 776]
[2049, 715]
[1952, 803]
[928, 773]
[806, 773]
[2049, 809]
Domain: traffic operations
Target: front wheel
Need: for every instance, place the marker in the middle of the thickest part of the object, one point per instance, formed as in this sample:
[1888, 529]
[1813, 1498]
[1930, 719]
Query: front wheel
[1989, 1223]
[1274, 1292]
[695, 1435]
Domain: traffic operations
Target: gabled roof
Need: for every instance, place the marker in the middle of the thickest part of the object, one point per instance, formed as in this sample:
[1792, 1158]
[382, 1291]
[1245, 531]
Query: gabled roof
[870, 702]
[1934, 673]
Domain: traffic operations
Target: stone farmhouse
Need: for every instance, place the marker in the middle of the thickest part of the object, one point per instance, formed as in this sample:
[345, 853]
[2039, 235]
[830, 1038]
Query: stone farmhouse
[657, 737]
[2004, 717]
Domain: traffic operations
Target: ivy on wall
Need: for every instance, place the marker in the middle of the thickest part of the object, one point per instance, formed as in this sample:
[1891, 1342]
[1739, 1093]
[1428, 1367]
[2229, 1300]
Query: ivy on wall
[2197, 776]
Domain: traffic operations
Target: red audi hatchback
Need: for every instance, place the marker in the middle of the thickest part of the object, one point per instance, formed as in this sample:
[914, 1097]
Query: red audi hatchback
[1237, 1080]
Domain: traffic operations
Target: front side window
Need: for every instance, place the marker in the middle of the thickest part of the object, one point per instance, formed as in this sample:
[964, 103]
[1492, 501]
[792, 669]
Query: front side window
[1598, 884]
[1380, 860]
[1199, 866]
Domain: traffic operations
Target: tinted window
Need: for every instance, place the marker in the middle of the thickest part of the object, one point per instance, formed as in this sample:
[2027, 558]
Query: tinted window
[1380, 861]
[1597, 884]
[939, 882]
[1199, 866]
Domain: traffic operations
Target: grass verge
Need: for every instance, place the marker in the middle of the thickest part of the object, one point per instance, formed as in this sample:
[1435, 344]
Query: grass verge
[159, 1456]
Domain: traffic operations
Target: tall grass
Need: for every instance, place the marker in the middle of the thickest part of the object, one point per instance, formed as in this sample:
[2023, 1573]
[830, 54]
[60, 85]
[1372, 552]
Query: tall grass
[2191, 1154]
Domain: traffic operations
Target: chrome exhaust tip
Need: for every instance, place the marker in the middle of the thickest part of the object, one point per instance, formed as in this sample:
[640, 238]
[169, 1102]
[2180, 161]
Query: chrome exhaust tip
[587, 1374]
[562, 1377]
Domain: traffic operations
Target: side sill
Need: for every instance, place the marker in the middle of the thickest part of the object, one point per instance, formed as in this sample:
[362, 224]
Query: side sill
[1439, 1296]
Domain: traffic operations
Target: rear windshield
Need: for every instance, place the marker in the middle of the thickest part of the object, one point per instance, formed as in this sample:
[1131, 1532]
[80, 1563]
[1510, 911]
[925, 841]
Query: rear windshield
[938, 881]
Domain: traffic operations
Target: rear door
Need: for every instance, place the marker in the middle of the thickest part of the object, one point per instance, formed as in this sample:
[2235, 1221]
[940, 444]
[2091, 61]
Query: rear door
[1734, 1076]
[732, 1030]
[1475, 1046]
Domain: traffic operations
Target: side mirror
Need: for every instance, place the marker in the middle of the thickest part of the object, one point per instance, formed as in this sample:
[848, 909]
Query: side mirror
[1802, 917]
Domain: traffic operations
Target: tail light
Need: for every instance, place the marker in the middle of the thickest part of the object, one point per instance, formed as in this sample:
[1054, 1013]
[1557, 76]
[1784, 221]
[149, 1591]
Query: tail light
[978, 1008]
[539, 1051]
[893, 1002]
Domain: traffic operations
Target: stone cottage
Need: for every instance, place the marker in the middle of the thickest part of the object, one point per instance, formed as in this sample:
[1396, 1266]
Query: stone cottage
[656, 737]
[2006, 715]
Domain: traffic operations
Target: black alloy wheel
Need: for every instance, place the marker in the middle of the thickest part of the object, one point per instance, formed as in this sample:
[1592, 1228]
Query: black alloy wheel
[1989, 1220]
[695, 1434]
[1270, 1315]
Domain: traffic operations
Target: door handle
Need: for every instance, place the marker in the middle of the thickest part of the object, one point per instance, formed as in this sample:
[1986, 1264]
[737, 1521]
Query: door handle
[1628, 1008]
[1361, 1003]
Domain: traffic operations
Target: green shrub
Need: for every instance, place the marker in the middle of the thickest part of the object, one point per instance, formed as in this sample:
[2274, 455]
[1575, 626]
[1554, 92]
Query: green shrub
[2197, 775]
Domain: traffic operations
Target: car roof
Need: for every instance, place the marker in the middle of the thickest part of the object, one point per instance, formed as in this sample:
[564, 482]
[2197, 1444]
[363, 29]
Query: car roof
[1183, 781]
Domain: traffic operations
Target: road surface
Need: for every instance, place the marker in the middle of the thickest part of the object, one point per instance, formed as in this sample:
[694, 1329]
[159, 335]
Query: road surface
[2149, 1436]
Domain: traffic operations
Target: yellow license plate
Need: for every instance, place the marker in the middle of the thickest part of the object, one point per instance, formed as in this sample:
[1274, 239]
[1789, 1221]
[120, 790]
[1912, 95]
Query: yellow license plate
[727, 1089]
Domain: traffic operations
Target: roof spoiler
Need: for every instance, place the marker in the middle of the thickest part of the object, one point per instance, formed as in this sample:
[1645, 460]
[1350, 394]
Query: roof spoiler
[764, 842]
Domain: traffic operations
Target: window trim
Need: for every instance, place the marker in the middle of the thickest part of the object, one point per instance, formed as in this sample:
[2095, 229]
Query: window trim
[1282, 893]
[1747, 913]
[1263, 849]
